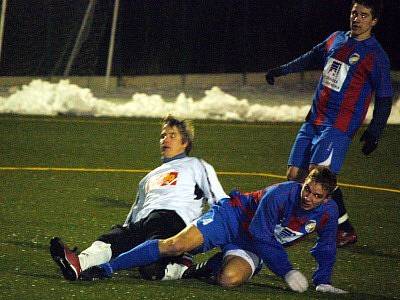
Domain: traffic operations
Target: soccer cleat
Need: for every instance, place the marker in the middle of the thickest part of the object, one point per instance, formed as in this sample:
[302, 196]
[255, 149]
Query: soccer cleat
[65, 258]
[345, 238]
[186, 259]
[93, 273]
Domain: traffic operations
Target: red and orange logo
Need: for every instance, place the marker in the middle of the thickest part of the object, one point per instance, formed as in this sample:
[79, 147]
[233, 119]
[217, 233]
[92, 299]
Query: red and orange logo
[170, 178]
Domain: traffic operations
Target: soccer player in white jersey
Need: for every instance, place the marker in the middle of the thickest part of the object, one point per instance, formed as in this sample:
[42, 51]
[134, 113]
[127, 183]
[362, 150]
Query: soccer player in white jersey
[168, 199]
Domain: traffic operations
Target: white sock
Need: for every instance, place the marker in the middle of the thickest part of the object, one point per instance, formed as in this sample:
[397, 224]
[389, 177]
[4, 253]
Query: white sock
[98, 253]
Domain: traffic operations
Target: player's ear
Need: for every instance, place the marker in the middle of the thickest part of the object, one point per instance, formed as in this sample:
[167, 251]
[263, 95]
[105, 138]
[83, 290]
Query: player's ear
[374, 21]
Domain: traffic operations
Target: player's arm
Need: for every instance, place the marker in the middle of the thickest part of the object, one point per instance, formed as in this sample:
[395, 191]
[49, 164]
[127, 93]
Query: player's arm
[135, 206]
[267, 247]
[370, 137]
[324, 253]
[210, 184]
[312, 59]
[382, 107]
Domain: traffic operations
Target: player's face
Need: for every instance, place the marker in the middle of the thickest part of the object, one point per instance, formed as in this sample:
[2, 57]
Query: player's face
[171, 143]
[312, 195]
[361, 22]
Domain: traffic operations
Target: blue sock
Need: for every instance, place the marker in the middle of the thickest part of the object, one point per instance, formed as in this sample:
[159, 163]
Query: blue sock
[143, 254]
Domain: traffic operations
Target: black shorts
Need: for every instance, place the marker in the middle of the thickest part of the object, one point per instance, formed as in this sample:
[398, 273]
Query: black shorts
[159, 224]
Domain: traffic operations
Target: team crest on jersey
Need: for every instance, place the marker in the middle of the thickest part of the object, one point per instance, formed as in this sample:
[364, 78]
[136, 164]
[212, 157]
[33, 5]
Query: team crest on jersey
[310, 226]
[354, 58]
[169, 178]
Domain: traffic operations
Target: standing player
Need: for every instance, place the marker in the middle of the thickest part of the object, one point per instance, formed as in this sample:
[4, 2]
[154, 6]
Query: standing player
[169, 198]
[260, 223]
[354, 68]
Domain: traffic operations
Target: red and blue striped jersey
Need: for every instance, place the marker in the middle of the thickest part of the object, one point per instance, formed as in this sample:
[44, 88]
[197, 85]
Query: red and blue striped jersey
[273, 218]
[352, 72]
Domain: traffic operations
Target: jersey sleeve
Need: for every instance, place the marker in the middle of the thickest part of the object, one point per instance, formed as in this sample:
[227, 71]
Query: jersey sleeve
[324, 250]
[210, 184]
[383, 95]
[381, 76]
[310, 60]
[262, 230]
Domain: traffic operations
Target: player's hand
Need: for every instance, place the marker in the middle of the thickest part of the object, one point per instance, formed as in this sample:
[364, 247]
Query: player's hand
[296, 281]
[327, 288]
[370, 142]
[270, 76]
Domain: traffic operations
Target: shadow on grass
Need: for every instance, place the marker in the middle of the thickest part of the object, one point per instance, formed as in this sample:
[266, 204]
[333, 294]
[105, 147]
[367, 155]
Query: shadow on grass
[111, 202]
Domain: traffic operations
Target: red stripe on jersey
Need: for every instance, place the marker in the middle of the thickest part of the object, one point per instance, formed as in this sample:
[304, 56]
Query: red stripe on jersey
[322, 106]
[329, 42]
[325, 93]
[366, 106]
[324, 220]
[344, 53]
[351, 97]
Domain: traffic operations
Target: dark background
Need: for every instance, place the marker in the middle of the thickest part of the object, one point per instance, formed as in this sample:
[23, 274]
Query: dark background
[177, 36]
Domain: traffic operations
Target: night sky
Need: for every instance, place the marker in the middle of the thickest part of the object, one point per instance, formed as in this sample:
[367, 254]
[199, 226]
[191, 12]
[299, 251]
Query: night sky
[175, 37]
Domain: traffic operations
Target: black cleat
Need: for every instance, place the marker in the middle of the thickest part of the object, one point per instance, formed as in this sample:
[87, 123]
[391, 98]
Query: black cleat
[65, 258]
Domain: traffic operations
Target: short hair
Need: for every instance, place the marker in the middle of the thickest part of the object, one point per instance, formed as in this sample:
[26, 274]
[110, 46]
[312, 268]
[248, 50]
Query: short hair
[376, 6]
[325, 177]
[185, 127]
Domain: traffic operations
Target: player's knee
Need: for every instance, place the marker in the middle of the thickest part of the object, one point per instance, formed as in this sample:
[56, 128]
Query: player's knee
[230, 278]
[172, 247]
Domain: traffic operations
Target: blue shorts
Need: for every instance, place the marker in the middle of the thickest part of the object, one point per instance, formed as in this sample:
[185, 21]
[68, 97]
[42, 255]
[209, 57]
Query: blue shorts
[319, 145]
[219, 226]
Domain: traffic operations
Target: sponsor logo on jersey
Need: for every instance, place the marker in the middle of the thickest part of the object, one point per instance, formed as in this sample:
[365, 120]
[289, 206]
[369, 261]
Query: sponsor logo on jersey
[161, 180]
[286, 235]
[354, 58]
[169, 178]
[334, 74]
[310, 226]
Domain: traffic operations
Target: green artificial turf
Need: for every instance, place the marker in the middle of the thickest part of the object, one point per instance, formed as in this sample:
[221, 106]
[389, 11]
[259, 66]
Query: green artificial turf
[93, 168]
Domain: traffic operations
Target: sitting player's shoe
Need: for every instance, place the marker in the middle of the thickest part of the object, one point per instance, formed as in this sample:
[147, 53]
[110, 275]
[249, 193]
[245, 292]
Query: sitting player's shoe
[174, 271]
[65, 258]
[345, 238]
[94, 273]
[185, 259]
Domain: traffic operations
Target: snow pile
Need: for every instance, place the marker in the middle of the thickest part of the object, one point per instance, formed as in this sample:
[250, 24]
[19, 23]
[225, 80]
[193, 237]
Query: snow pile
[45, 98]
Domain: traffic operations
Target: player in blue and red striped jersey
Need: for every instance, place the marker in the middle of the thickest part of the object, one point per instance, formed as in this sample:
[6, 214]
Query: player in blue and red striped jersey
[355, 67]
[260, 223]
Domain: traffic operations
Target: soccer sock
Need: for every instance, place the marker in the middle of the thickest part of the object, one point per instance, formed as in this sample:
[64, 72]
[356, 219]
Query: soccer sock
[206, 269]
[344, 223]
[98, 253]
[143, 254]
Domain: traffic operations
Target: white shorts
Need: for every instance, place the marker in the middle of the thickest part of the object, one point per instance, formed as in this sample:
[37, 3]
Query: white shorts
[252, 259]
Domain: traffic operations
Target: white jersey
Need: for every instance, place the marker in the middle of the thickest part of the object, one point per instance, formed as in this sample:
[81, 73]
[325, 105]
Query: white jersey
[172, 186]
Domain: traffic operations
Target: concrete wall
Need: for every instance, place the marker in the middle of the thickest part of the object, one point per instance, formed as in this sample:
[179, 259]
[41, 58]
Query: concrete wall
[195, 80]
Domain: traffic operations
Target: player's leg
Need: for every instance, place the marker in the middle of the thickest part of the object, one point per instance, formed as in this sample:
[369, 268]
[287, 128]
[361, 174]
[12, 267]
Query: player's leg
[208, 231]
[147, 253]
[119, 240]
[300, 154]
[238, 267]
[231, 267]
[330, 150]
[111, 244]
[161, 224]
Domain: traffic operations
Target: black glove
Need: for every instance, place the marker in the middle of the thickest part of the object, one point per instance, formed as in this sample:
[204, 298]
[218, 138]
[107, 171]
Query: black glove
[370, 142]
[270, 76]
